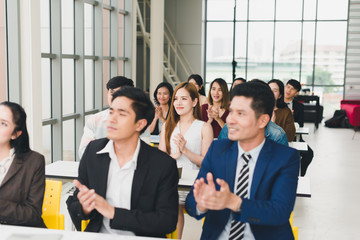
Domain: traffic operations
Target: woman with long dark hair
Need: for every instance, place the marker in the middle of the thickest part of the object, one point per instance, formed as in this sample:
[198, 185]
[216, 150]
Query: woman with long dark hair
[162, 96]
[282, 114]
[217, 110]
[22, 171]
[184, 136]
[197, 80]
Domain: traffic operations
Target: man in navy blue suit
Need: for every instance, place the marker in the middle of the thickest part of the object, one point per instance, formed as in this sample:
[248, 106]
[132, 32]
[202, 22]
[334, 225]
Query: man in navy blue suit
[246, 187]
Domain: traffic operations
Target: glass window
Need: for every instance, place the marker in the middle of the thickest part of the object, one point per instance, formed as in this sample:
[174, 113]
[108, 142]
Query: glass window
[46, 87]
[3, 58]
[309, 9]
[47, 142]
[69, 140]
[120, 35]
[219, 50]
[67, 26]
[106, 78]
[330, 53]
[261, 10]
[332, 9]
[288, 10]
[241, 9]
[260, 50]
[68, 90]
[330, 98]
[89, 84]
[240, 49]
[220, 9]
[121, 68]
[45, 26]
[307, 54]
[121, 4]
[287, 50]
[89, 30]
[106, 32]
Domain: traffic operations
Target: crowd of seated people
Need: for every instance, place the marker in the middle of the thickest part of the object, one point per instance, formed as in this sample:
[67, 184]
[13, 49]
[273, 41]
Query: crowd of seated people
[127, 187]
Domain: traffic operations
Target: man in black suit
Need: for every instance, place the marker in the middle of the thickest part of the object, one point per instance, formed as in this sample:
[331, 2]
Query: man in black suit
[292, 89]
[124, 185]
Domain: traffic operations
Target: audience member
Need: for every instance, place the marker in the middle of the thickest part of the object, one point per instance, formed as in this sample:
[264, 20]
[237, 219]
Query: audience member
[292, 89]
[237, 81]
[184, 136]
[162, 96]
[197, 80]
[282, 114]
[216, 111]
[95, 126]
[124, 185]
[22, 171]
[251, 182]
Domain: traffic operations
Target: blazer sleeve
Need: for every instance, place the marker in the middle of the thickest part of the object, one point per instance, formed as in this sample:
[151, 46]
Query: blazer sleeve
[299, 113]
[283, 194]
[289, 125]
[163, 218]
[28, 212]
[73, 204]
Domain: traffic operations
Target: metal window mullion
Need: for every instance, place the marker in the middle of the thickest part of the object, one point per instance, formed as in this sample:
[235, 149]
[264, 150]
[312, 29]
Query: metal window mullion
[114, 42]
[98, 65]
[13, 51]
[79, 75]
[247, 39]
[48, 55]
[56, 79]
[314, 56]
[274, 39]
[301, 40]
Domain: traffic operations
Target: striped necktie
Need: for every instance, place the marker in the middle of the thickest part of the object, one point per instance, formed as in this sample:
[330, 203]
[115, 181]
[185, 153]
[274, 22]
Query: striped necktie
[237, 228]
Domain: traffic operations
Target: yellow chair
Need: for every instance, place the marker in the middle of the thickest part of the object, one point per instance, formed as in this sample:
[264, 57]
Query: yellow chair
[84, 224]
[172, 235]
[294, 229]
[51, 205]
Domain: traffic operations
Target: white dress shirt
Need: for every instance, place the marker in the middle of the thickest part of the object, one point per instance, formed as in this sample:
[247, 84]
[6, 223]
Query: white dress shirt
[95, 128]
[248, 235]
[5, 164]
[119, 185]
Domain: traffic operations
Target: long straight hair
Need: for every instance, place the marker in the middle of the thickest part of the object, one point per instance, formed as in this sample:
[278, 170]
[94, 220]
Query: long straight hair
[225, 101]
[21, 143]
[174, 118]
[280, 101]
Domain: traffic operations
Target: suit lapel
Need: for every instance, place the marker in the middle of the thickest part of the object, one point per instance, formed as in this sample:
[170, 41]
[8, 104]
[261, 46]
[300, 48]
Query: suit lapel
[16, 165]
[103, 169]
[261, 165]
[230, 163]
[140, 173]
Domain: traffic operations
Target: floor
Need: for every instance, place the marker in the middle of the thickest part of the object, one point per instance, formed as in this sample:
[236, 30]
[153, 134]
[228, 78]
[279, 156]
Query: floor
[333, 211]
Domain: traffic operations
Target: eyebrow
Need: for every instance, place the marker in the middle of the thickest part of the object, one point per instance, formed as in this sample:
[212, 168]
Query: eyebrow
[119, 110]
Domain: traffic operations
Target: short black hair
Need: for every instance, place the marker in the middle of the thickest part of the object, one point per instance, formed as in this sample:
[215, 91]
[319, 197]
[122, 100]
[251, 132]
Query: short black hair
[199, 81]
[263, 100]
[142, 105]
[21, 143]
[168, 86]
[295, 83]
[119, 81]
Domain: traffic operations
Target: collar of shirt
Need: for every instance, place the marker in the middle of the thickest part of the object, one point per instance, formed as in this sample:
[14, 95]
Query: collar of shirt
[253, 152]
[109, 148]
[10, 157]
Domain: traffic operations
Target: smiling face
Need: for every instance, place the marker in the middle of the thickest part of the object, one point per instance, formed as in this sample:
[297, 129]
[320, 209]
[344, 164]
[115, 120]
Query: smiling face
[216, 93]
[275, 89]
[7, 126]
[163, 95]
[183, 103]
[121, 124]
[242, 123]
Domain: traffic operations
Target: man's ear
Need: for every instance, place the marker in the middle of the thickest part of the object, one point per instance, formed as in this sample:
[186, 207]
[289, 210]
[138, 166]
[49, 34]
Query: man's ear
[263, 120]
[140, 124]
[16, 135]
[297, 93]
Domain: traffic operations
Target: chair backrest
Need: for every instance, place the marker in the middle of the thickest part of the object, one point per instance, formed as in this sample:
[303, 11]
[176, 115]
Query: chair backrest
[51, 204]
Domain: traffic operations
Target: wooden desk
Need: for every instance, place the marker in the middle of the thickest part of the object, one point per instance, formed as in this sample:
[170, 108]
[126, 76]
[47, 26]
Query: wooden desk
[10, 232]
